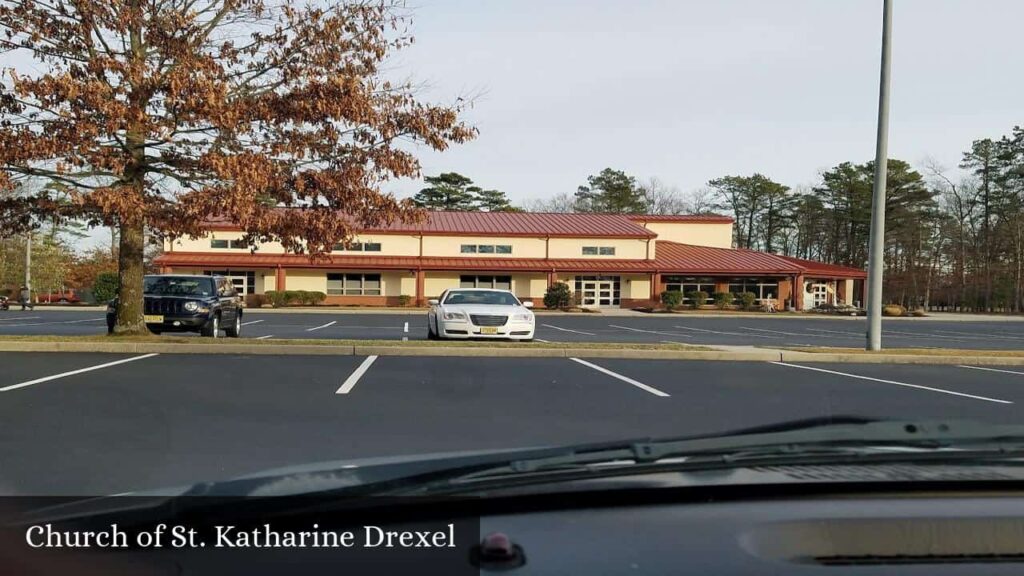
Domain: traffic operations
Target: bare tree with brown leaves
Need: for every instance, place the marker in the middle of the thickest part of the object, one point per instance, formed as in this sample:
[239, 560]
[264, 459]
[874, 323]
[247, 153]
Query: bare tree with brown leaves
[159, 114]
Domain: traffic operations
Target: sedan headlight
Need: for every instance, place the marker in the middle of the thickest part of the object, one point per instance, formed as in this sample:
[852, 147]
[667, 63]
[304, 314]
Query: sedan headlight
[524, 317]
[454, 316]
[191, 306]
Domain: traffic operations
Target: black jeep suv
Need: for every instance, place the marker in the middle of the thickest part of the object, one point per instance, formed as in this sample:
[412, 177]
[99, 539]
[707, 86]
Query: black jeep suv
[179, 303]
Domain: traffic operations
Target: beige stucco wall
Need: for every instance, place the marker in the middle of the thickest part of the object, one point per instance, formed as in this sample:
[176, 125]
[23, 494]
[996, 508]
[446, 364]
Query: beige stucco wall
[529, 285]
[625, 248]
[407, 285]
[436, 282]
[452, 246]
[638, 287]
[848, 291]
[718, 235]
[390, 244]
[313, 280]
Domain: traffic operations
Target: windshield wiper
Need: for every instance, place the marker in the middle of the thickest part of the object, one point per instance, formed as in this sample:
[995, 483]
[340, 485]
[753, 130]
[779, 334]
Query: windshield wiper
[837, 439]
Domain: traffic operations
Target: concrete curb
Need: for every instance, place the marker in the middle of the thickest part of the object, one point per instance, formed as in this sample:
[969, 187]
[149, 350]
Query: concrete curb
[500, 352]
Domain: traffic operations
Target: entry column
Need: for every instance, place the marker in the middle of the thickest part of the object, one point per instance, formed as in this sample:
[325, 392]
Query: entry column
[420, 299]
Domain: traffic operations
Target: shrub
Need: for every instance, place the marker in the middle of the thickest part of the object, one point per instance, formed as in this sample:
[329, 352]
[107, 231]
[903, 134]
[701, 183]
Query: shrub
[255, 300]
[697, 298]
[893, 310]
[722, 300]
[558, 295]
[104, 288]
[672, 299]
[747, 300]
[277, 298]
[404, 300]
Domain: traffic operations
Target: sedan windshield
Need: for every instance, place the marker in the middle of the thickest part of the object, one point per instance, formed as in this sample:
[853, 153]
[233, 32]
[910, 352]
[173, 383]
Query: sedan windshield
[489, 297]
[178, 286]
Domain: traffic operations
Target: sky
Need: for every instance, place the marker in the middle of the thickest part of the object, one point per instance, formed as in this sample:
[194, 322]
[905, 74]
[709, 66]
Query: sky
[689, 90]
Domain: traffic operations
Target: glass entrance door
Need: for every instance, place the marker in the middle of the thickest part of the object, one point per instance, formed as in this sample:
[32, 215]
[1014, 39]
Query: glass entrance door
[598, 291]
[819, 294]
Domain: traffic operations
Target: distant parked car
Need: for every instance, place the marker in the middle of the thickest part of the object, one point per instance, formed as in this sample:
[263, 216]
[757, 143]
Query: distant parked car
[5, 304]
[67, 296]
[480, 313]
[187, 303]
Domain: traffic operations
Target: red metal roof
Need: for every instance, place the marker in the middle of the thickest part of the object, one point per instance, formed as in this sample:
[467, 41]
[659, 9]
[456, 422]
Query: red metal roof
[815, 268]
[672, 258]
[695, 218]
[508, 224]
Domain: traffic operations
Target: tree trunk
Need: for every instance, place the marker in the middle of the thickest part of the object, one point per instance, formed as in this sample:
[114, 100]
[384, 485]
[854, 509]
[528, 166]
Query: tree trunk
[129, 288]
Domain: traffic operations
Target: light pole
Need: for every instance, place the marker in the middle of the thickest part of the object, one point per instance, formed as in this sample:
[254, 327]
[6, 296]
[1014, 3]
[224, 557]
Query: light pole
[877, 243]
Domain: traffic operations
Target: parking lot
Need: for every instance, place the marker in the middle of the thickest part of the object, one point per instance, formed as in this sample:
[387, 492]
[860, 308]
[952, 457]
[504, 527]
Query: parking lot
[742, 331]
[84, 424]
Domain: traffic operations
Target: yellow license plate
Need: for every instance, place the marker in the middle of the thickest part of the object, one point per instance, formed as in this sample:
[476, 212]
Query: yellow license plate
[153, 318]
[488, 330]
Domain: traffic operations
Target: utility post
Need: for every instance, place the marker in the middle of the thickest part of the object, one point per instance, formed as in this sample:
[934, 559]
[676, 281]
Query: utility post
[877, 244]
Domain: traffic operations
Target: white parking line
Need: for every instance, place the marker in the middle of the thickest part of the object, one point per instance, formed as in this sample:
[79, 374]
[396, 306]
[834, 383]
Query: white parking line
[651, 331]
[73, 372]
[251, 322]
[331, 323]
[568, 330]
[542, 340]
[991, 369]
[354, 377]
[405, 330]
[858, 334]
[726, 333]
[20, 318]
[625, 379]
[976, 336]
[264, 337]
[918, 386]
[79, 321]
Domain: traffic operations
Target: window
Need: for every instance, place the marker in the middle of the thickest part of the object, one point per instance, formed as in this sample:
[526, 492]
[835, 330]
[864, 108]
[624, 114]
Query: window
[607, 250]
[235, 244]
[495, 282]
[354, 284]
[764, 288]
[486, 248]
[687, 284]
[590, 250]
[358, 247]
[599, 250]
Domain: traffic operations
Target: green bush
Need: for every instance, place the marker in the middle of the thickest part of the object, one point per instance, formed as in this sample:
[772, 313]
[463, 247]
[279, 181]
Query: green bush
[104, 288]
[558, 295]
[722, 300]
[697, 298]
[404, 300]
[671, 299]
[747, 300]
[277, 298]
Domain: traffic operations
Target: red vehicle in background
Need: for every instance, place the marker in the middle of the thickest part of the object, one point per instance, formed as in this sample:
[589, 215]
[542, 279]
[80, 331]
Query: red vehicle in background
[67, 296]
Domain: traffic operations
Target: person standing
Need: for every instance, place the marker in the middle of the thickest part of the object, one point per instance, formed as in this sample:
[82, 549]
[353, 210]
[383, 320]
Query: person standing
[25, 297]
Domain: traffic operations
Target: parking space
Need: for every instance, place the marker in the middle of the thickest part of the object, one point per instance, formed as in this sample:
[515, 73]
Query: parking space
[725, 330]
[161, 420]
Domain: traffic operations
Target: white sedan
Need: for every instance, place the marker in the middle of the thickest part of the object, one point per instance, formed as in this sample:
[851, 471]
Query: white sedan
[479, 313]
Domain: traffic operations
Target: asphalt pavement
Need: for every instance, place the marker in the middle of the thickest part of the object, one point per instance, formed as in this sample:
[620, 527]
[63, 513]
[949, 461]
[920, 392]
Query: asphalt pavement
[767, 331]
[94, 424]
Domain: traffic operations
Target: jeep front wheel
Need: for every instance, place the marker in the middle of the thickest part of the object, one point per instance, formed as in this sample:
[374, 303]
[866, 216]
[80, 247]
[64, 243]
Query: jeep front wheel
[212, 327]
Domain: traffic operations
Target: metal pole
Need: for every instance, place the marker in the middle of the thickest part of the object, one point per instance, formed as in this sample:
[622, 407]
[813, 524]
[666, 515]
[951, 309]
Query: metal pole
[877, 244]
[28, 265]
